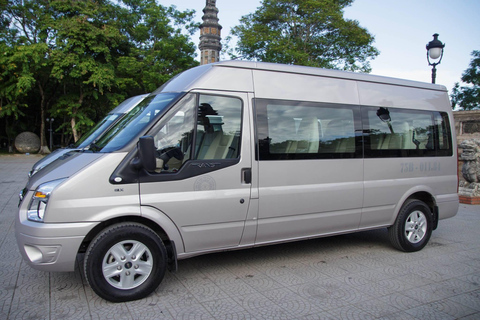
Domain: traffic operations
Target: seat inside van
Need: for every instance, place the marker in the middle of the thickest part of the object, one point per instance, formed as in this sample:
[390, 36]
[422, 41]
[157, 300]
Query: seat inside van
[338, 136]
[306, 137]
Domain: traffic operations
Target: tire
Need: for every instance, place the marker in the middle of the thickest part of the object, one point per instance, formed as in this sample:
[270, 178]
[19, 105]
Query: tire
[412, 228]
[124, 262]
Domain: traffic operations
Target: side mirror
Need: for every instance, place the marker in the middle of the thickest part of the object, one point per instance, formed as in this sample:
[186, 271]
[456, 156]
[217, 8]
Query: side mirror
[146, 151]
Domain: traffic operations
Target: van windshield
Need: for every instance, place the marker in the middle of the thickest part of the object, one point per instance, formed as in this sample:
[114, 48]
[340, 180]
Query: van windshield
[136, 121]
[96, 131]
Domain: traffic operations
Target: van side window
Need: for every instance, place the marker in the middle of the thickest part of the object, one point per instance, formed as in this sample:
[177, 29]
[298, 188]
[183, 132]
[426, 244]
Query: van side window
[174, 140]
[219, 122]
[215, 122]
[393, 132]
[290, 130]
[444, 136]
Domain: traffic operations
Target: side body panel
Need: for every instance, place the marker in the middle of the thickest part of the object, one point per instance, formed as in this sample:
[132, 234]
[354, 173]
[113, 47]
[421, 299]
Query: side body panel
[88, 196]
[308, 197]
[389, 181]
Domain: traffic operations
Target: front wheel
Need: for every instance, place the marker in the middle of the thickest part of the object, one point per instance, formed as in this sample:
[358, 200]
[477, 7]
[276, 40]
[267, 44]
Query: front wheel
[412, 228]
[126, 261]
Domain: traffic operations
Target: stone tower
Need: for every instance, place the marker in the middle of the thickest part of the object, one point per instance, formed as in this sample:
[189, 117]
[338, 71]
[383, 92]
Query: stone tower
[210, 34]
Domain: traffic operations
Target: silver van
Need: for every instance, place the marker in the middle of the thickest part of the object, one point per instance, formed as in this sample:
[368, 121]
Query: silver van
[240, 154]
[91, 136]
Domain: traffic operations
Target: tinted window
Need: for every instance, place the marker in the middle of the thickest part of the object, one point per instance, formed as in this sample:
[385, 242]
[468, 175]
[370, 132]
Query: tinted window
[442, 126]
[391, 132]
[174, 140]
[289, 130]
[218, 127]
[301, 130]
[215, 122]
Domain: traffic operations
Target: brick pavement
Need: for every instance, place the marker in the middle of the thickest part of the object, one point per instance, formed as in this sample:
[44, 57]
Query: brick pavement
[357, 276]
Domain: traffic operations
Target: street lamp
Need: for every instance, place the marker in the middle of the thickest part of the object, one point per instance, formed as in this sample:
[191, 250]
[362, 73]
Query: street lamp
[50, 120]
[434, 52]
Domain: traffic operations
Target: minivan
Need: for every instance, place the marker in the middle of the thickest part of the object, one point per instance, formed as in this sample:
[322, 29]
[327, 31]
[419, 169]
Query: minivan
[92, 135]
[241, 154]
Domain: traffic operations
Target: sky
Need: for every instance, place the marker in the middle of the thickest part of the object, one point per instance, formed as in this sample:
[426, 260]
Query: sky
[402, 29]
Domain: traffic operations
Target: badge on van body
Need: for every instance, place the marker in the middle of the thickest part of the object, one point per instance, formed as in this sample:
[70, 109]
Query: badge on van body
[206, 164]
[204, 183]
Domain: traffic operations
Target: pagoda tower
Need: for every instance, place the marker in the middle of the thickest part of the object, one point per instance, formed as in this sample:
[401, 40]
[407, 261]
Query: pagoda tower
[210, 45]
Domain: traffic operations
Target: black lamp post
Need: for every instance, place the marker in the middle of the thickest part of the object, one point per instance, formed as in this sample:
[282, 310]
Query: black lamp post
[434, 52]
[50, 120]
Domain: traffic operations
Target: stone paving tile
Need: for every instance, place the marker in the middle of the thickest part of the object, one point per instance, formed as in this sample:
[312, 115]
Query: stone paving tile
[452, 308]
[319, 316]
[429, 312]
[356, 276]
[378, 308]
[351, 312]
[470, 300]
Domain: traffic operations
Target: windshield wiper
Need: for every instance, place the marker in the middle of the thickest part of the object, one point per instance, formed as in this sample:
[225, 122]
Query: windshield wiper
[92, 148]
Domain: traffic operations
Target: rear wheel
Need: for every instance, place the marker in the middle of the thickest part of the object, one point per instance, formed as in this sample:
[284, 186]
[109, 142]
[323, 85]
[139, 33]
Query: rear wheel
[126, 261]
[412, 228]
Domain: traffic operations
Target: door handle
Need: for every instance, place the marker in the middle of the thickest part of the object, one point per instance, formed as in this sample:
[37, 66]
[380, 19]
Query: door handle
[247, 175]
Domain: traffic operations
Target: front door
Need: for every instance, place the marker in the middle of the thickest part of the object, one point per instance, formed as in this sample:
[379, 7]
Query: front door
[202, 182]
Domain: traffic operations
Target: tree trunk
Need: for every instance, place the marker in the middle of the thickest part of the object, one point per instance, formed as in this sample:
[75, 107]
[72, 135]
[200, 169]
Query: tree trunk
[10, 136]
[43, 141]
[74, 130]
[73, 121]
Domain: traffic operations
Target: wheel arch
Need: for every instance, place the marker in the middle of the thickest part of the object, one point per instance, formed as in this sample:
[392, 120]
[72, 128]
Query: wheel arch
[424, 195]
[168, 239]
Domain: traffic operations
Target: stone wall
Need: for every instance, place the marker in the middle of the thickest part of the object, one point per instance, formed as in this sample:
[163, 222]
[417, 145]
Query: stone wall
[467, 127]
[467, 124]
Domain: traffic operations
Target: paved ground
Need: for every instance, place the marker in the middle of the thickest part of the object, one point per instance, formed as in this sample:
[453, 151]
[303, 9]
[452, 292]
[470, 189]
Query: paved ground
[357, 276]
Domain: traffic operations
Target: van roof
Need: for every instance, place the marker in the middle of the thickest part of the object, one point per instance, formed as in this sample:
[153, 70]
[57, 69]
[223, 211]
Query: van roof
[237, 76]
[331, 73]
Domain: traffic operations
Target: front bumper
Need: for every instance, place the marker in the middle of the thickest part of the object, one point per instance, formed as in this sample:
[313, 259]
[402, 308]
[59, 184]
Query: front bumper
[50, 246]
[49, 254]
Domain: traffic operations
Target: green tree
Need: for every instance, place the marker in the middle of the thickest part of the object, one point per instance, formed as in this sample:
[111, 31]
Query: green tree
[24, 64]
[82, 58]
[160, 45]
[468, 97]
[75, 60]
[304, 32]
[16, 80]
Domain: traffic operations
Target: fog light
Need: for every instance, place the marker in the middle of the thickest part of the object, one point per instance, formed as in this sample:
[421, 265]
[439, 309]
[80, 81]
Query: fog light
[33, 254]
[42, 254]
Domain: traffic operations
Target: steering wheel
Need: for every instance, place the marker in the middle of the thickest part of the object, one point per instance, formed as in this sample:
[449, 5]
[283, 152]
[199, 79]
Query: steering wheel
[168, 153]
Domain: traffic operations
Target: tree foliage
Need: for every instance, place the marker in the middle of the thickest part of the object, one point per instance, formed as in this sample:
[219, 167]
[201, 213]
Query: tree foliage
[75, 60]
[468, 97]
[304, 32]
[159, 50]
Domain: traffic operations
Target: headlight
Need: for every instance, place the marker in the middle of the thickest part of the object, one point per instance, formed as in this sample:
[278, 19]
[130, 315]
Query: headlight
[38, 205]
